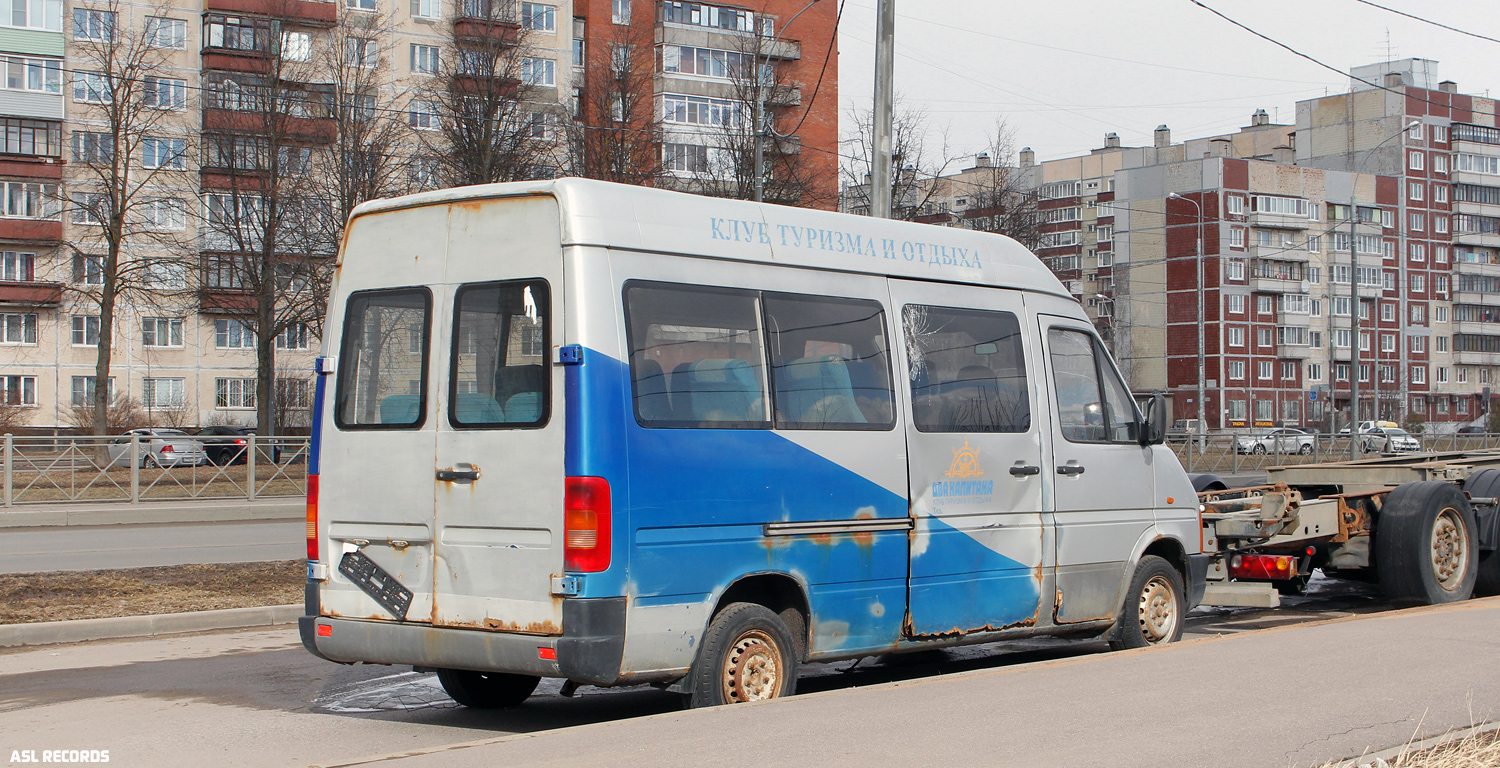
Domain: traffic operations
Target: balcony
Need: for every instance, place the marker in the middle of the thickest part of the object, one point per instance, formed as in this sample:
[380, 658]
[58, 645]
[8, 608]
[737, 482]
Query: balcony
[472, 24]
[1279, 253]
[226, 301]
[1476, 358]
[1298, 352]
[1478, 327]
[236, 179]
[254, 62]
[1476, 268]
[312, 14]
[1474, 297]
[1482, 239]
[669, 33]
[1278, 221]
[30, 294]
[1277, 285]
[785, 96]
[319, 130]
[37, 231]
[29, 167]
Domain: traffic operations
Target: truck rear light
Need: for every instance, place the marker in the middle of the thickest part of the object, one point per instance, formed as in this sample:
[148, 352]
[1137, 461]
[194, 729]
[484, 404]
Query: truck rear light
[312, 517]
[586, 529]
[1262, 567]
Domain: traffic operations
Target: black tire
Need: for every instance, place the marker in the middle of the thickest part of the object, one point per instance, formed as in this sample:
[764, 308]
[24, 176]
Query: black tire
[487, 690]
[1155, 607]
[1426, 545]
[1305, 450]
[1258, 449]
[744, 646]
[1486, 484]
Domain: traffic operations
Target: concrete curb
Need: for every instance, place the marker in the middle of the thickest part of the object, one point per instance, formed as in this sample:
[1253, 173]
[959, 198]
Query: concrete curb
[125, 513]
[52, 632]
[1388, 755]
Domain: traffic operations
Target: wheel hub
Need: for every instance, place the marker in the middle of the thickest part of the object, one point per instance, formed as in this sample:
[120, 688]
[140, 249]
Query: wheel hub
[752, 669]
[1157, 611]
[1450, 549]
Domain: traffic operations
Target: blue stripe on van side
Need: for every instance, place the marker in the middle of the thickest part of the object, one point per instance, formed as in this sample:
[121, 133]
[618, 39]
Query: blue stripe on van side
[315, 444]
[689, 505]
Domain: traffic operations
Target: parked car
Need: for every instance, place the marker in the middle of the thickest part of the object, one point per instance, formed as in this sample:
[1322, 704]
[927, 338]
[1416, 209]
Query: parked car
[1366, 427]
[1471, 430]
[1182, 429]
[158, 448]
[230, 445]
[1282, 440]
[1390, 440]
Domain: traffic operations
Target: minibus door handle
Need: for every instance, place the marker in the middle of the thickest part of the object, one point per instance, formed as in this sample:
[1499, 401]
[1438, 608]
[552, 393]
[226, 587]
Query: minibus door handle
[1024, 471]
[463, 473]
[1070, 469]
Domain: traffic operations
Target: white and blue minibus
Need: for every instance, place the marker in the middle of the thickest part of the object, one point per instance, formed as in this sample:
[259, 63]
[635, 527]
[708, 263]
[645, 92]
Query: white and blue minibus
[618, 435]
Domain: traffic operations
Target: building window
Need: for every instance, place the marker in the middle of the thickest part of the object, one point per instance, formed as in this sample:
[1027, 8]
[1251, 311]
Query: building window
[685, 158]
[164, 93]
[1235, 269]
[424, 59]
[1236, 304]
[1234, 205]
[166, 33]
[237, 33]
[361, 5]
[162, 393]
[579, 46]
[293, 394]
[699, 110]
[83, 390]
[1419, 374]
[93, 25]
[620, 13]
[17, 329]
[1440, 165]
[1415, 160]
[1263, 369]
[1417, 344]
[1415, 190]
[1237, 370]
[1388, 311]
[293, 336]
[538, 17]
[1387, 342]
[537, 71]
[1314, 371]
[1387, 374]
[17, 266]
[234, 393]
[1341, 337]
[1440, 224]
[1417, 252]
[361, 52]
[233, 334]
[161, 332]
[85, 330]
[162, 153]
[1265, 304]
[1236, 336]
[88, 270]
[423, 115]
[1263, 337]
[1418, 313]
[1237, 409]
[1440, 343]
[36, 14]
[36, 138]
[426, 9]
[169, 215]
[90, 147]
[18, 390]
[28, 74]
[1236, 237]
[1341, 372]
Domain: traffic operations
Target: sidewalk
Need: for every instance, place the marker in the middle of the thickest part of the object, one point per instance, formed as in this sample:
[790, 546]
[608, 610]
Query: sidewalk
[123, 512]
[1280, 698]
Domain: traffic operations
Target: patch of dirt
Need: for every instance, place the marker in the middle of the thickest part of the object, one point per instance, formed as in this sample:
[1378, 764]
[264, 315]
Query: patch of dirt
[60, 595]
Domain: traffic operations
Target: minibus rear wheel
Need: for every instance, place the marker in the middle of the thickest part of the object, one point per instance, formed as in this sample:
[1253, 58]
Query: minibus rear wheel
[747, 655]
[487, 690]
[1154, 608]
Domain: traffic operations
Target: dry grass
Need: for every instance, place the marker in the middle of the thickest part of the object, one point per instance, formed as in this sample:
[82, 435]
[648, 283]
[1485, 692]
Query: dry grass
[1477, 750]
[59, 595]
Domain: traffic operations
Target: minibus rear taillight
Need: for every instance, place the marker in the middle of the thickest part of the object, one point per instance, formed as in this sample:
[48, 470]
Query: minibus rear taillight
[312, 517]
[586, 534]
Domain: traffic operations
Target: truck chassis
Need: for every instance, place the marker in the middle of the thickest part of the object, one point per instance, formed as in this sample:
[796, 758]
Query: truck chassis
[1423, 526]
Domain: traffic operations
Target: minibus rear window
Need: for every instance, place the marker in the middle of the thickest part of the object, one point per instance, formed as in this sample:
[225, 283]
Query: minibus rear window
[968, 370]
[498, 377]
[383, 361]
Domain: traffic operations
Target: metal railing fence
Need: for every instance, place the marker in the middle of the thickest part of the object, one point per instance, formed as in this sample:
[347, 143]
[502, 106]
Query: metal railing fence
[134, 469]
[1233, 453]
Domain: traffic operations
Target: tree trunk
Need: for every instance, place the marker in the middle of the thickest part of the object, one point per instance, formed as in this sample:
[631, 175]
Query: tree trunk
[107, 295]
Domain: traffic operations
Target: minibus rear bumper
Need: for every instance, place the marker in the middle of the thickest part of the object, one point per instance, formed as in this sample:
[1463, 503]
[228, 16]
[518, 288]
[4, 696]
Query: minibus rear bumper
[589, 651]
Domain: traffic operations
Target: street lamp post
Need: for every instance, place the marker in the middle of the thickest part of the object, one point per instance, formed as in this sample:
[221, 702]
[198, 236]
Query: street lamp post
[882, 131]
[1354, 304]
[1202, 373]
[760, 102]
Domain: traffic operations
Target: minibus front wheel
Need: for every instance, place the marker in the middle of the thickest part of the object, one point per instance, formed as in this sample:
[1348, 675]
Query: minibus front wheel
[747, 655]
[1154, 607]
[487, 690]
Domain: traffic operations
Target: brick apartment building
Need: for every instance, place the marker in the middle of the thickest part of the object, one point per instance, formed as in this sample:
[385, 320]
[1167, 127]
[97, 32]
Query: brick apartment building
[194, 356]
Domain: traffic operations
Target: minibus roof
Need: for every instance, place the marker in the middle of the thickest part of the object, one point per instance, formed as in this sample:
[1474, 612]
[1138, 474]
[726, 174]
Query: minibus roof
[597, 213]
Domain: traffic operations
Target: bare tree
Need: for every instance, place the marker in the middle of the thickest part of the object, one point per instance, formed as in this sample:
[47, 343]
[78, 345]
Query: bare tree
[486, 115]
[124, 413]
[131, 181]
[1001, 199]
[266, 261]
[615, 133]
[915, 163]
[13, 414]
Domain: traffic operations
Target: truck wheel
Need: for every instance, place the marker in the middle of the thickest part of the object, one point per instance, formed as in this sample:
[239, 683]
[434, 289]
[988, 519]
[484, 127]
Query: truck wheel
[747, 655]
[1154, 607]
[1425, 544]
[487, 690]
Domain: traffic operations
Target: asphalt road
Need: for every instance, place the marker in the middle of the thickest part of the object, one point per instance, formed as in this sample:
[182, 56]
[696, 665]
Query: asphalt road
[78, 548]
[256, 698]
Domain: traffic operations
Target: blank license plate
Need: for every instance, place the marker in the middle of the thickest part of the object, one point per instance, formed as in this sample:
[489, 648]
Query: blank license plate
[376, 583]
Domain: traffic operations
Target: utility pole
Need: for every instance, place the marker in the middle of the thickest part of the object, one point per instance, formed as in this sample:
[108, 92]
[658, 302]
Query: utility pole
[885, 73]
[1353, 325]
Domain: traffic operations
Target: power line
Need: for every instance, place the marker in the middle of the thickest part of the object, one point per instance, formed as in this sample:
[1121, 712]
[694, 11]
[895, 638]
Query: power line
[1415, 17]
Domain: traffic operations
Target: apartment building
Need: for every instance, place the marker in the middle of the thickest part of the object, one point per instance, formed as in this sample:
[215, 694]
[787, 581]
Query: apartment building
[182, 345]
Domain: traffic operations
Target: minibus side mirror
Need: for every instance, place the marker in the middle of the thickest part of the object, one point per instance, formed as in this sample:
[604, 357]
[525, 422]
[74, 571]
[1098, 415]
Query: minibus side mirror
[1154, 430]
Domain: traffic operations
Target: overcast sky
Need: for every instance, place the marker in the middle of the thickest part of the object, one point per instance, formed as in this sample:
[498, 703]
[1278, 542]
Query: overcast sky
[1062, 73]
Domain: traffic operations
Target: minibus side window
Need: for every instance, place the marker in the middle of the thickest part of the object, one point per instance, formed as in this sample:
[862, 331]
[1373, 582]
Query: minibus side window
[695, 357]
[968, 370]
[383, 361]
[498, 371]
[1092, 405]
[830, 366]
